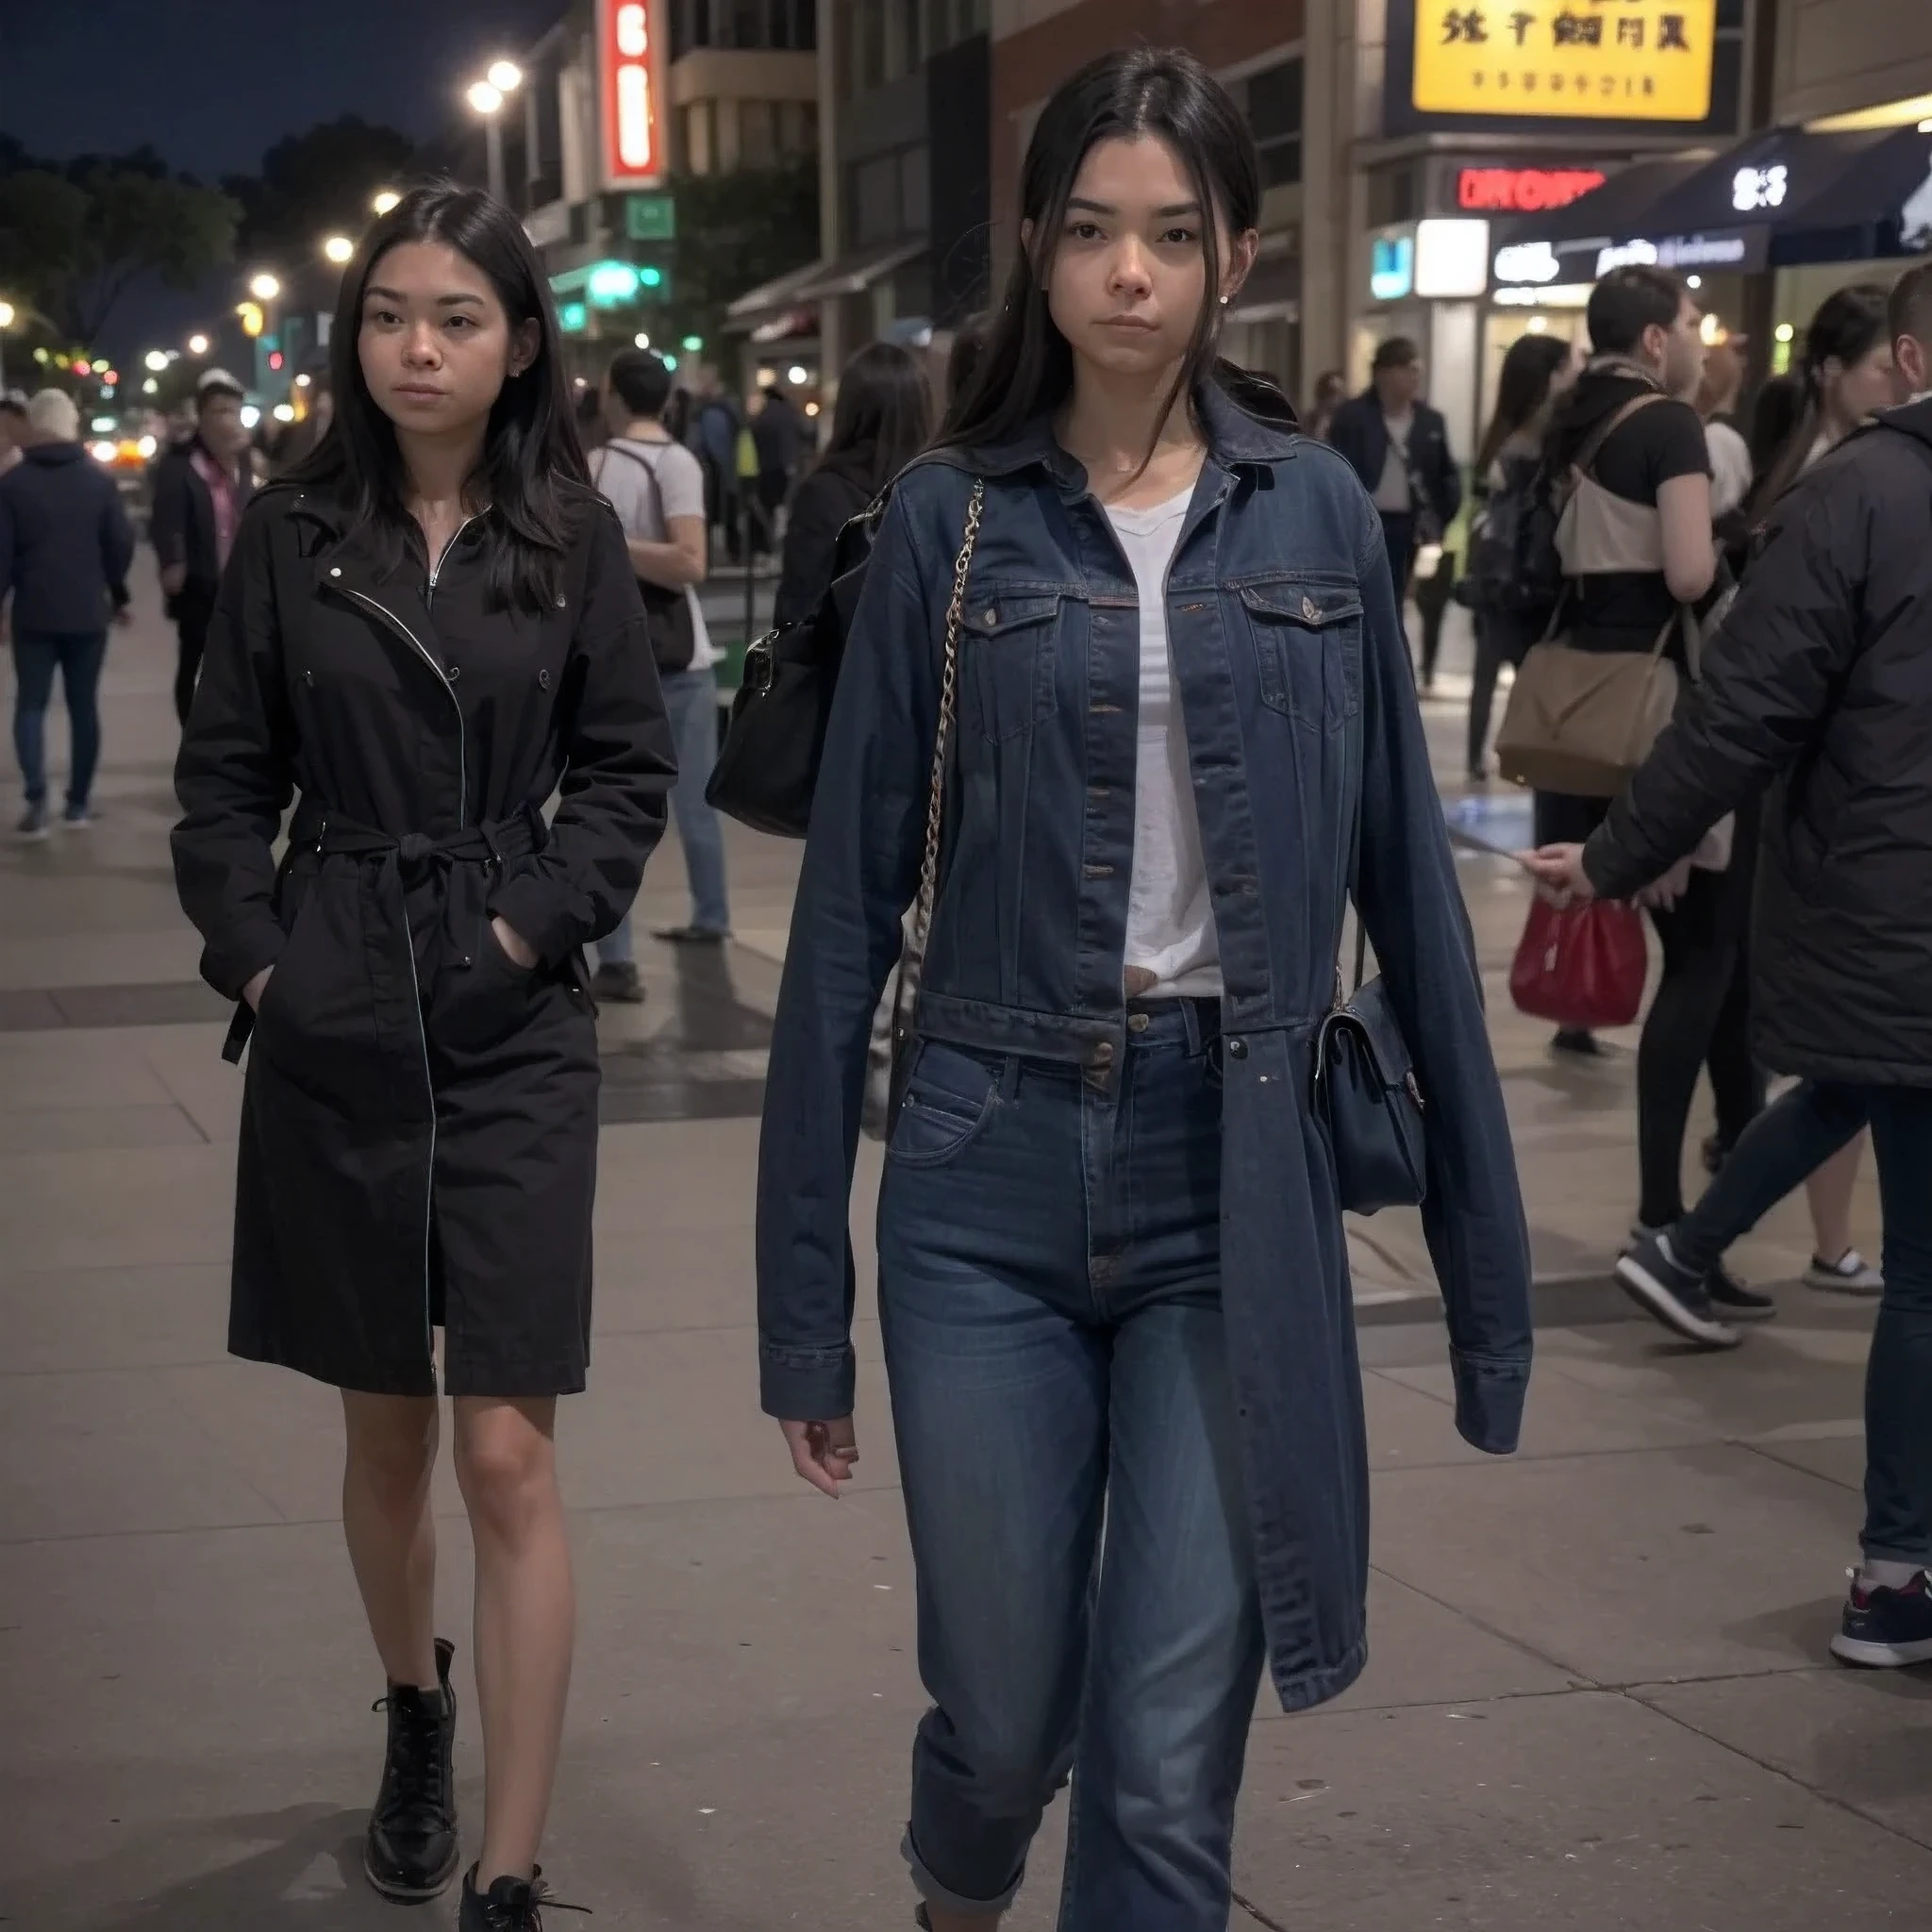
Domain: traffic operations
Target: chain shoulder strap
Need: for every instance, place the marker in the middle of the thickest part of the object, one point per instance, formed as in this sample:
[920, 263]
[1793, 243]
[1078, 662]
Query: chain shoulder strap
[943, 736]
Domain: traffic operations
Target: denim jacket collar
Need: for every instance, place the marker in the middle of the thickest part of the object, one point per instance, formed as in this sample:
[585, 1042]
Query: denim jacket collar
[1235, 439]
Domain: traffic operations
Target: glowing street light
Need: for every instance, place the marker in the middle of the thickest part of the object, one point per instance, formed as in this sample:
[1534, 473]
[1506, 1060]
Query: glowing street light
[486, 97]
[385, 201]
[264, 287]
[197, 344]
[339, 249]
[156, 360]
[5, 314]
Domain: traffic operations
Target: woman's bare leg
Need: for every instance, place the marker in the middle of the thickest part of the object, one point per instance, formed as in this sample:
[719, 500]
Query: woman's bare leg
[526, 1617]
[391, 1535]
[1829, 1192]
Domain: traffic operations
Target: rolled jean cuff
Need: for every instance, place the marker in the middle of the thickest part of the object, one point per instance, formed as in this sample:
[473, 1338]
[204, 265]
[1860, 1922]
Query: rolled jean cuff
[934, 1893]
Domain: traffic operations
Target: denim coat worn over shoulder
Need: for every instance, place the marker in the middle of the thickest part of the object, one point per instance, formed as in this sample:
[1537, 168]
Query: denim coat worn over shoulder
[1295, 687]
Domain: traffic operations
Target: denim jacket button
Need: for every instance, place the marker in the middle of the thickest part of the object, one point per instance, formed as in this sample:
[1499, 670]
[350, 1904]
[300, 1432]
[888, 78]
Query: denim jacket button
[1102, 1055]
[1138, 1022]
[1238, 1049]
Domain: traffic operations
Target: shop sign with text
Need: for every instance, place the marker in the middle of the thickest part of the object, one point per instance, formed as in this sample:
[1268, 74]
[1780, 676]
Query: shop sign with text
[1582, 60]
[1523, 190]
[630, 93]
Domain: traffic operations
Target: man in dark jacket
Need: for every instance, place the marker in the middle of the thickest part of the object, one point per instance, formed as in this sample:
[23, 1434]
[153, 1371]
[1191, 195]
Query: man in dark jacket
[1399, 447]
[65, 546]
[1820, 687]
[200, 490]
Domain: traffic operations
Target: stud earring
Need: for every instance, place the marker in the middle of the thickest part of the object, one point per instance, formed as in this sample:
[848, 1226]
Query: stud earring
[1224, 301]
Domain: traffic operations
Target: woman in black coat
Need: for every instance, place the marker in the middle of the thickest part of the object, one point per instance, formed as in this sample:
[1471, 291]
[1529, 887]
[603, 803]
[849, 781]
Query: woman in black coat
[425, 630]
[880, 423]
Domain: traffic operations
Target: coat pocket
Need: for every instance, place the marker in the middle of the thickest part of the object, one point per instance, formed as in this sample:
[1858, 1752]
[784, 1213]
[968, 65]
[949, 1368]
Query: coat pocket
[1307, 637]
[1007, 646]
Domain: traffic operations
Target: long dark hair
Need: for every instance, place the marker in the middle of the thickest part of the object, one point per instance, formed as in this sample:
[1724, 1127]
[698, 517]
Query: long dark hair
[1026, 367]
[884, 408]
[531, 473]
[1849, 324]
[1522, 387]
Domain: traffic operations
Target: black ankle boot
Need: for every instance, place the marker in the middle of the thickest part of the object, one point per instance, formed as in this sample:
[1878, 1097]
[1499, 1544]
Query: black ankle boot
[512, 1905]
[411, 1851]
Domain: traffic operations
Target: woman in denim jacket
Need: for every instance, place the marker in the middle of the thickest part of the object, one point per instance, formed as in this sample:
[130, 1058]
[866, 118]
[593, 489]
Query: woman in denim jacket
[1113, 1285]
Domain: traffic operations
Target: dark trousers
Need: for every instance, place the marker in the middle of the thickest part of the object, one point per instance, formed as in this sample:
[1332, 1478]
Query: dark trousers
[1398, 538]
[1499, 640]
[1898, 1417]
[77, 655]
[1699, 1017]
[1785, 1145]
[194, 608]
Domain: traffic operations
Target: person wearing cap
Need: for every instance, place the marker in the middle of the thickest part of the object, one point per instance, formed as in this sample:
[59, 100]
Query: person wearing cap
[65, 546]
[200, 489]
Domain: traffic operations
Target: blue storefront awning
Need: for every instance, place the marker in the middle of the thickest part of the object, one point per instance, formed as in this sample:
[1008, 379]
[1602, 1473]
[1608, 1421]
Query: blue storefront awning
[1779, 199]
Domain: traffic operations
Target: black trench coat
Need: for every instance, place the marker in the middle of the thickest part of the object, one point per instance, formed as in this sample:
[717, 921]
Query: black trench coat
[419, 1123]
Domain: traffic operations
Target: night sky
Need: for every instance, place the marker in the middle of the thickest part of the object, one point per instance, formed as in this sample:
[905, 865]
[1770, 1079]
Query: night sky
[212, 83]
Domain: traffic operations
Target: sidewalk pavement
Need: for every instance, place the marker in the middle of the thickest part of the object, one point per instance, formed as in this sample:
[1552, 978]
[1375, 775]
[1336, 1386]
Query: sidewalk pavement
[1599, 1694]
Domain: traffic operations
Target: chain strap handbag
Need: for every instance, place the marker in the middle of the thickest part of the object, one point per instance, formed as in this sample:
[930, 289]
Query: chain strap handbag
[912, 959]
[1365, 1091]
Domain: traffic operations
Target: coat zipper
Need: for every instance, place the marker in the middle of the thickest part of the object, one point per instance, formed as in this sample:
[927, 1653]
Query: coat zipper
[397, 624]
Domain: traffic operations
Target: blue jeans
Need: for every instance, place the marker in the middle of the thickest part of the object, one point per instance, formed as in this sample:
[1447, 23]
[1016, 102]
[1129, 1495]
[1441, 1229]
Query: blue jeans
[1783, 1146]
[77, 656]
[1898, 1372]
[691, 698]
[1049, 1284]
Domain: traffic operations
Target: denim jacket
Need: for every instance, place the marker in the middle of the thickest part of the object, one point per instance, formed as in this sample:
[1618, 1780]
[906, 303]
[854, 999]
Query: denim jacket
[1293, 679]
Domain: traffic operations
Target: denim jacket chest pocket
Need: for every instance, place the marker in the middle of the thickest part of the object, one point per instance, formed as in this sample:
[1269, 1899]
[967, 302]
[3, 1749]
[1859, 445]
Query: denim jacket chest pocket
[1007, 640]
[1308, 637]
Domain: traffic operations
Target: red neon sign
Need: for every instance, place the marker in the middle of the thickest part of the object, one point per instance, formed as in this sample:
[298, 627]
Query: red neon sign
[627, 54]
[1523, 190]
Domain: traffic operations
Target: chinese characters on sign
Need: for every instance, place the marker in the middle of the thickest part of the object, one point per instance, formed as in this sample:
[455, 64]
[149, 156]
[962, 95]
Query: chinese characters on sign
[1595, 59]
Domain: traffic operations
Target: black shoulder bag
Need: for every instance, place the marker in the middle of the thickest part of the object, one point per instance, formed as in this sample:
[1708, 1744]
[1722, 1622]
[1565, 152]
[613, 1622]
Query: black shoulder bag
[667, 610]
[768, 765]
[1365, 1088]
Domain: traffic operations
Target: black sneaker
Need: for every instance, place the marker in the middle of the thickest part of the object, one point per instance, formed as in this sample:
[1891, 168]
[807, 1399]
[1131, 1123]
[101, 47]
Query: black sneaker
[1884, 1628]
[693, 935]
[512, 1905]
[412, 1852]
[1735, 1300]
[1577, 1040]
[1672, 1296]
[618, 984]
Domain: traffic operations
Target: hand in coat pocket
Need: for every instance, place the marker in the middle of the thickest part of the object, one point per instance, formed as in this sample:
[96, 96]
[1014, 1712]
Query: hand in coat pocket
[516, 948]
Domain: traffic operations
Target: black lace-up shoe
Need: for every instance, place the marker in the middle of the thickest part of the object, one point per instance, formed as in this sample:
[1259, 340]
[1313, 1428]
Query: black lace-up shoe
[512, 1905]
[411, 1853]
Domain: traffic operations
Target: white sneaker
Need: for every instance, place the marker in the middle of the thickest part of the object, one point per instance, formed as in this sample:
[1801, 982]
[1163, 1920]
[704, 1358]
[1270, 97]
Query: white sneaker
[1850, 1273]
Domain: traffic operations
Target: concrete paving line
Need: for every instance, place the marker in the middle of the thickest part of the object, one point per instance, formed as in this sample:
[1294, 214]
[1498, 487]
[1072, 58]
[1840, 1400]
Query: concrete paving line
[1921, 1840]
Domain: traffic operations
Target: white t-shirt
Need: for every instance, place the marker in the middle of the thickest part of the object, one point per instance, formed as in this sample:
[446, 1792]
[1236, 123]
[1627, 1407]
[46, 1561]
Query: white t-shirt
[1392, 490]
[1169, 917]
[1730, 468]
[618, 470]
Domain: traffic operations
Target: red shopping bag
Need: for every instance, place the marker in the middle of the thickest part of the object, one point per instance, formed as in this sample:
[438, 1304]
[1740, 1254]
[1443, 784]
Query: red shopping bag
[1581, 965]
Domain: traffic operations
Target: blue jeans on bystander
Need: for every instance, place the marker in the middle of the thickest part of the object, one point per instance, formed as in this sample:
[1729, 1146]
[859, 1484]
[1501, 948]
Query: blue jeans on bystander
[77, 657]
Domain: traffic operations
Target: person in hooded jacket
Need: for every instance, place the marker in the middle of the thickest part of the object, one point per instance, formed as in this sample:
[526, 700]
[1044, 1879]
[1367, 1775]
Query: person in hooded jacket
[1818, 692]
[879, 424]
[426, 631]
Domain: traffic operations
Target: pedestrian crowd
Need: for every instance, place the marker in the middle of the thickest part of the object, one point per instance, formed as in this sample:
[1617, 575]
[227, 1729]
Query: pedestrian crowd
[1114, 781]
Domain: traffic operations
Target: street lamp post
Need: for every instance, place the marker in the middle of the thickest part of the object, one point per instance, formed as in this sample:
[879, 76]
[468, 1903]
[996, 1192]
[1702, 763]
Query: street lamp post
[486, 97]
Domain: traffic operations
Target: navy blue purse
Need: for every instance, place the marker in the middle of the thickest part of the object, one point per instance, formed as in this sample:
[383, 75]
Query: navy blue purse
[1365, 1089]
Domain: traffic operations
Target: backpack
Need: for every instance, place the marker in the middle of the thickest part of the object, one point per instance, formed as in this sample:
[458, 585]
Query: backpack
[667, 610]
[1513, 570]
